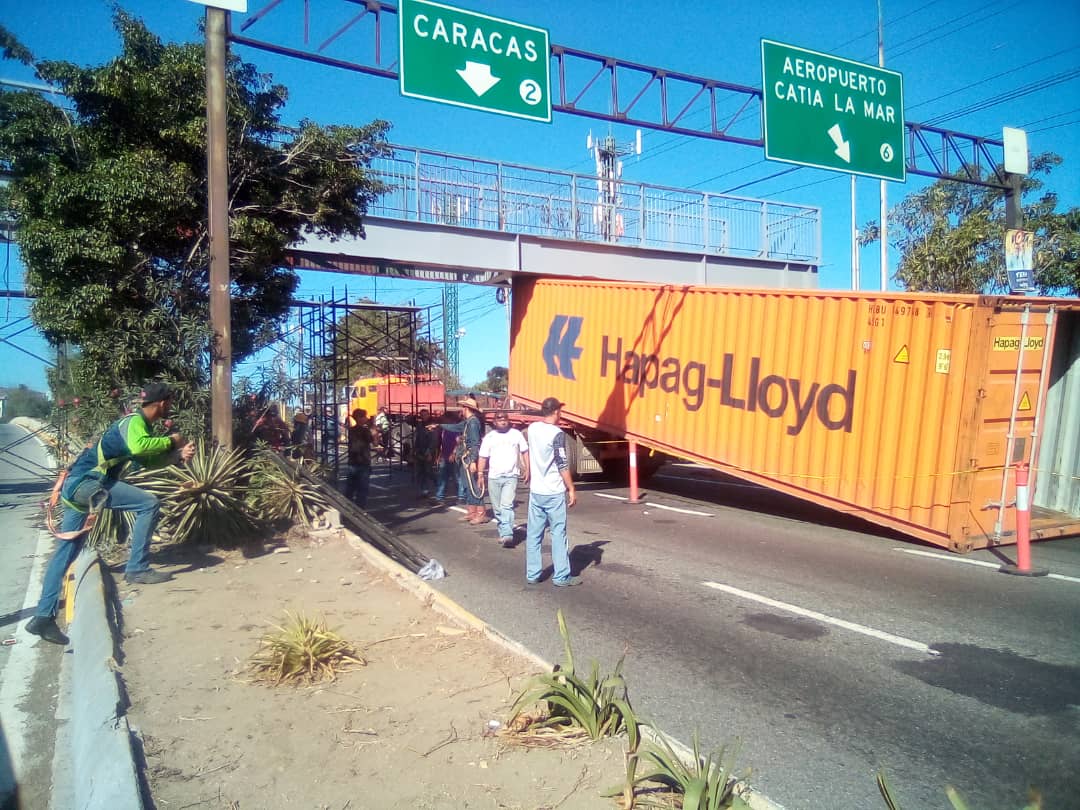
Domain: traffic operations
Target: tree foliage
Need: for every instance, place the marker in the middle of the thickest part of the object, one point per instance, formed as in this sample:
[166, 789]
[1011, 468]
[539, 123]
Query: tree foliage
[24, 401]
[951, 237]
[497, 380]
[110, 193]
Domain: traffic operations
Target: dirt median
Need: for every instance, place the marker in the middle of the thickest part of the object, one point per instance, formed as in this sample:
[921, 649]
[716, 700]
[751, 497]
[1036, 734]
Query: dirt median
[410, 729]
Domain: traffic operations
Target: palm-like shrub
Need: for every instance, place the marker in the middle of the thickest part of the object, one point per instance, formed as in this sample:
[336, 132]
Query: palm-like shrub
[202, 501]
[280, 494]
[595, 705]
[302, 650]
[703, 783]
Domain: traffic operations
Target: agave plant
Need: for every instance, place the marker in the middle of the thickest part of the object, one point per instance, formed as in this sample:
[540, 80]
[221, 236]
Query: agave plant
[203, 500]
[303, 650]
[1034, 797]
[704, 783]
[278, 494]
[598, 705]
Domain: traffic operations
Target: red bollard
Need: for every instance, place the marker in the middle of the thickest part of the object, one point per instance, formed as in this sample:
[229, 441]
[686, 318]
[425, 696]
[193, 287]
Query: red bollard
[633, 473]
[1023, 527]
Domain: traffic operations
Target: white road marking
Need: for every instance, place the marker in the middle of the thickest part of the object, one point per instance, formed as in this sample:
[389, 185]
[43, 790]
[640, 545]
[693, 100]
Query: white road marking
[653, 505]
[677, 509]
[22, 661]
[981, 563]
[821, 617]
[461, 509]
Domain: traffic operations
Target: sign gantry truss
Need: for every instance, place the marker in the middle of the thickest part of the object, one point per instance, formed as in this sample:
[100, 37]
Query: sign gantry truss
[355, 35]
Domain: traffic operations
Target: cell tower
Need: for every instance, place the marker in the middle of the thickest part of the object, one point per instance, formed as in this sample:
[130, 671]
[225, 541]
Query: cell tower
[607, 152]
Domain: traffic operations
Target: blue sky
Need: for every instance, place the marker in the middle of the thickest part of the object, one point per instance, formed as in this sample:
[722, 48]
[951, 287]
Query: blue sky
[970, 66]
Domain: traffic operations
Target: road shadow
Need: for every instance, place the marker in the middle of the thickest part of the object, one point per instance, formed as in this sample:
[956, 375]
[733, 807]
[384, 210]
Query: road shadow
[16, 616]
[586, 554]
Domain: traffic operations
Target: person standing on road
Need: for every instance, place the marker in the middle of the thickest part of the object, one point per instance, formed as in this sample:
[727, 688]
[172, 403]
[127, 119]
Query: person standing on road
[551, 493]
[472, 433]
[504, 455]
[360, 440]
[93, 481]
[448, 463]
[425, 449]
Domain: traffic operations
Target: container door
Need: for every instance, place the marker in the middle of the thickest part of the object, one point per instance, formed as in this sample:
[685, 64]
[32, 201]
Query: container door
[1057, 476]
[1011, 396]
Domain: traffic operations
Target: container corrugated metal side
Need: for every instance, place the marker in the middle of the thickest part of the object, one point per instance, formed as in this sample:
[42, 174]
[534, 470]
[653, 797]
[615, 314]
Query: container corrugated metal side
[894, 407]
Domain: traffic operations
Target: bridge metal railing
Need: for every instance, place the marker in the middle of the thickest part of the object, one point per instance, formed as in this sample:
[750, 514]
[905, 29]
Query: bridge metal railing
[467, 192]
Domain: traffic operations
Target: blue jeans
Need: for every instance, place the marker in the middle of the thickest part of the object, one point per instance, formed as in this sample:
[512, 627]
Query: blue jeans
[465, 492]
[358, 483]
[122, 498]
[447, 473]
[501, 491]
[547, 510]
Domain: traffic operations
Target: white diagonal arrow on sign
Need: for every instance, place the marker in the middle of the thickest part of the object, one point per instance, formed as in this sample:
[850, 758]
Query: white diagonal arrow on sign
[843, 148]
[478, 76]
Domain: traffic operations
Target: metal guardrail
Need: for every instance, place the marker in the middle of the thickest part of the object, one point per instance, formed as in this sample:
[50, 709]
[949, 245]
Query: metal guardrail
[454, 190]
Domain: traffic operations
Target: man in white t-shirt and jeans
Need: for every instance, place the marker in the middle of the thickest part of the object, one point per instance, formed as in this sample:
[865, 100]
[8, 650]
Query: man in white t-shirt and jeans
[504, 454]
[551, 492]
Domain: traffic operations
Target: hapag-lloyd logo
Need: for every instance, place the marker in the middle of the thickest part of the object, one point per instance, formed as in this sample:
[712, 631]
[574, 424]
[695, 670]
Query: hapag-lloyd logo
[561, 349]
[744, 386]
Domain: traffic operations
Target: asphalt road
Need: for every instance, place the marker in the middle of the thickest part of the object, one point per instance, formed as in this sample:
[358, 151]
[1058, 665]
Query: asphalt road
[827, 649]
[29, 668]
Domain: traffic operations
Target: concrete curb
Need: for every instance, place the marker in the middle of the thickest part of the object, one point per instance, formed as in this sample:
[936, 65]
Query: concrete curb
[105, 776]
[440, 602]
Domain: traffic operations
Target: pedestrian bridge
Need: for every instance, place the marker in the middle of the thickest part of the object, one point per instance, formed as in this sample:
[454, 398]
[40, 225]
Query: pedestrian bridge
[455, 218]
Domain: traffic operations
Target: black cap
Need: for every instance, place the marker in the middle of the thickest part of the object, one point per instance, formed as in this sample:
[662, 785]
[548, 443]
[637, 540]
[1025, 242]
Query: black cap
[156, 392]
[549, 406]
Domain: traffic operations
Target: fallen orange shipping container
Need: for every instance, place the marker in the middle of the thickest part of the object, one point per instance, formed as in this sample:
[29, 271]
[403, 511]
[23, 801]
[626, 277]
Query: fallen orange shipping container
[908, 410]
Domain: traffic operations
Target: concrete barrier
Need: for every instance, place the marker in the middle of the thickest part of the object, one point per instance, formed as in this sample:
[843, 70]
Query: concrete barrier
[103, 762]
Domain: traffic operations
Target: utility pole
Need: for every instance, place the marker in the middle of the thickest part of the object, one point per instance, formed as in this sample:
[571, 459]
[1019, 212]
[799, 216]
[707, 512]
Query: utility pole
[217, 162]
[884, 214]
[854, 241]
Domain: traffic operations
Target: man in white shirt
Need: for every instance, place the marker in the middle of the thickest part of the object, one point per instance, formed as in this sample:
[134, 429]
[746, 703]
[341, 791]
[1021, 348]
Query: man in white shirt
[504, 454]
[551, 492]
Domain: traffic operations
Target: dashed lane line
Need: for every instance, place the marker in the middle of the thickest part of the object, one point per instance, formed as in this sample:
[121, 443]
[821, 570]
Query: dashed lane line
[653, 505]
[881, 635]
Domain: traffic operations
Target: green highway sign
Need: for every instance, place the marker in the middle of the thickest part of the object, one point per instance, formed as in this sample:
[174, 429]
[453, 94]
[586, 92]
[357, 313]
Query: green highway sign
[472, 60]
[832, 113]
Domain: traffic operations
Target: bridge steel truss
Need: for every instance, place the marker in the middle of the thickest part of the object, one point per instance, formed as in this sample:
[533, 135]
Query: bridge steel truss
[606, 88]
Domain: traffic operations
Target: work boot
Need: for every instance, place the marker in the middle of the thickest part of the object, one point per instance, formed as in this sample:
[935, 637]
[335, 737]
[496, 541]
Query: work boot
[481, 516]
[147, 577]
[45, 627]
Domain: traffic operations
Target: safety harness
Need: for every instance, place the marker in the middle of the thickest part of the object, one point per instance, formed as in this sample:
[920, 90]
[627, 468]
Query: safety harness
[98, 498]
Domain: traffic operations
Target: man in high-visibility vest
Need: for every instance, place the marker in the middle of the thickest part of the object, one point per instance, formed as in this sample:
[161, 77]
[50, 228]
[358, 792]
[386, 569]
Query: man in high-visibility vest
[94, 479]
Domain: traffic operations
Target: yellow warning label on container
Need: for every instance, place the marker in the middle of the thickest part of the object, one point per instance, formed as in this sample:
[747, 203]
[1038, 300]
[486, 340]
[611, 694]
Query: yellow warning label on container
[944, 361]
[902, 355]
[1025, 403]
[1007, 343]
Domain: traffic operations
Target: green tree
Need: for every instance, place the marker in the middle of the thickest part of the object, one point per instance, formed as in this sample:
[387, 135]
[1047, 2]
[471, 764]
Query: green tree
[951, 237]
[110, 195]
[24, 401]
[497, 380]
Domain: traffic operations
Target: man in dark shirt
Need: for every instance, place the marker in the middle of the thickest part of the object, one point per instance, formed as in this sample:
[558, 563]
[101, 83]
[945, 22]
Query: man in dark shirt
[359, 479]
